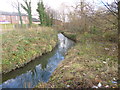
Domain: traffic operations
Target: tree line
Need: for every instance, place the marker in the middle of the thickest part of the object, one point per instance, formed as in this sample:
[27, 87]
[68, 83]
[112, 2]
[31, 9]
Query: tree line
[84, 17]
[45, 16]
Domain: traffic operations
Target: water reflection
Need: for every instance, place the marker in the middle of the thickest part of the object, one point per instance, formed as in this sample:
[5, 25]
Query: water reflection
[39, 70]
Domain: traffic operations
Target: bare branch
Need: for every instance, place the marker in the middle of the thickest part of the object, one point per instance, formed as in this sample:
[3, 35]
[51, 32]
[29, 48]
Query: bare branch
[24, 7]
[107, 6]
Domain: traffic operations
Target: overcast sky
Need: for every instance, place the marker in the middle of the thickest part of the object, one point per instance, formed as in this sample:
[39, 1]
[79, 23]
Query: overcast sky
[5, 5]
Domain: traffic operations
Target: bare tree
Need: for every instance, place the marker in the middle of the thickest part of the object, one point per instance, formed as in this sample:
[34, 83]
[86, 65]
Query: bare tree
[16, 5]
[79, 17]
[112, 7]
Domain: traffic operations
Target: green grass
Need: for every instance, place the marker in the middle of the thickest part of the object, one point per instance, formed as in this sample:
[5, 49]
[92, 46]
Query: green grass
[70, 35]
[20, 46]
[7, 26]
[15, 26]
[91, 61]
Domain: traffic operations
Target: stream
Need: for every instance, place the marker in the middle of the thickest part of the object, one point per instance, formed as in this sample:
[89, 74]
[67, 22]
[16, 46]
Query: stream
[38, 70]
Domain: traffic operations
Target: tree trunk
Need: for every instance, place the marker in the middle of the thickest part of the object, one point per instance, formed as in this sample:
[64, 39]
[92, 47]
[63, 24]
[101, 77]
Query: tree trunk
[20, 15]
[28, 10]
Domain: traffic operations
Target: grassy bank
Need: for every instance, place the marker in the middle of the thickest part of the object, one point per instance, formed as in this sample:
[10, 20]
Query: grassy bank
[7, 26]
[22, 46]
[92, 62]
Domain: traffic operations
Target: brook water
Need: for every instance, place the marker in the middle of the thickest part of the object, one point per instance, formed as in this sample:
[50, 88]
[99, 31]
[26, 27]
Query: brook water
[38, 70]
